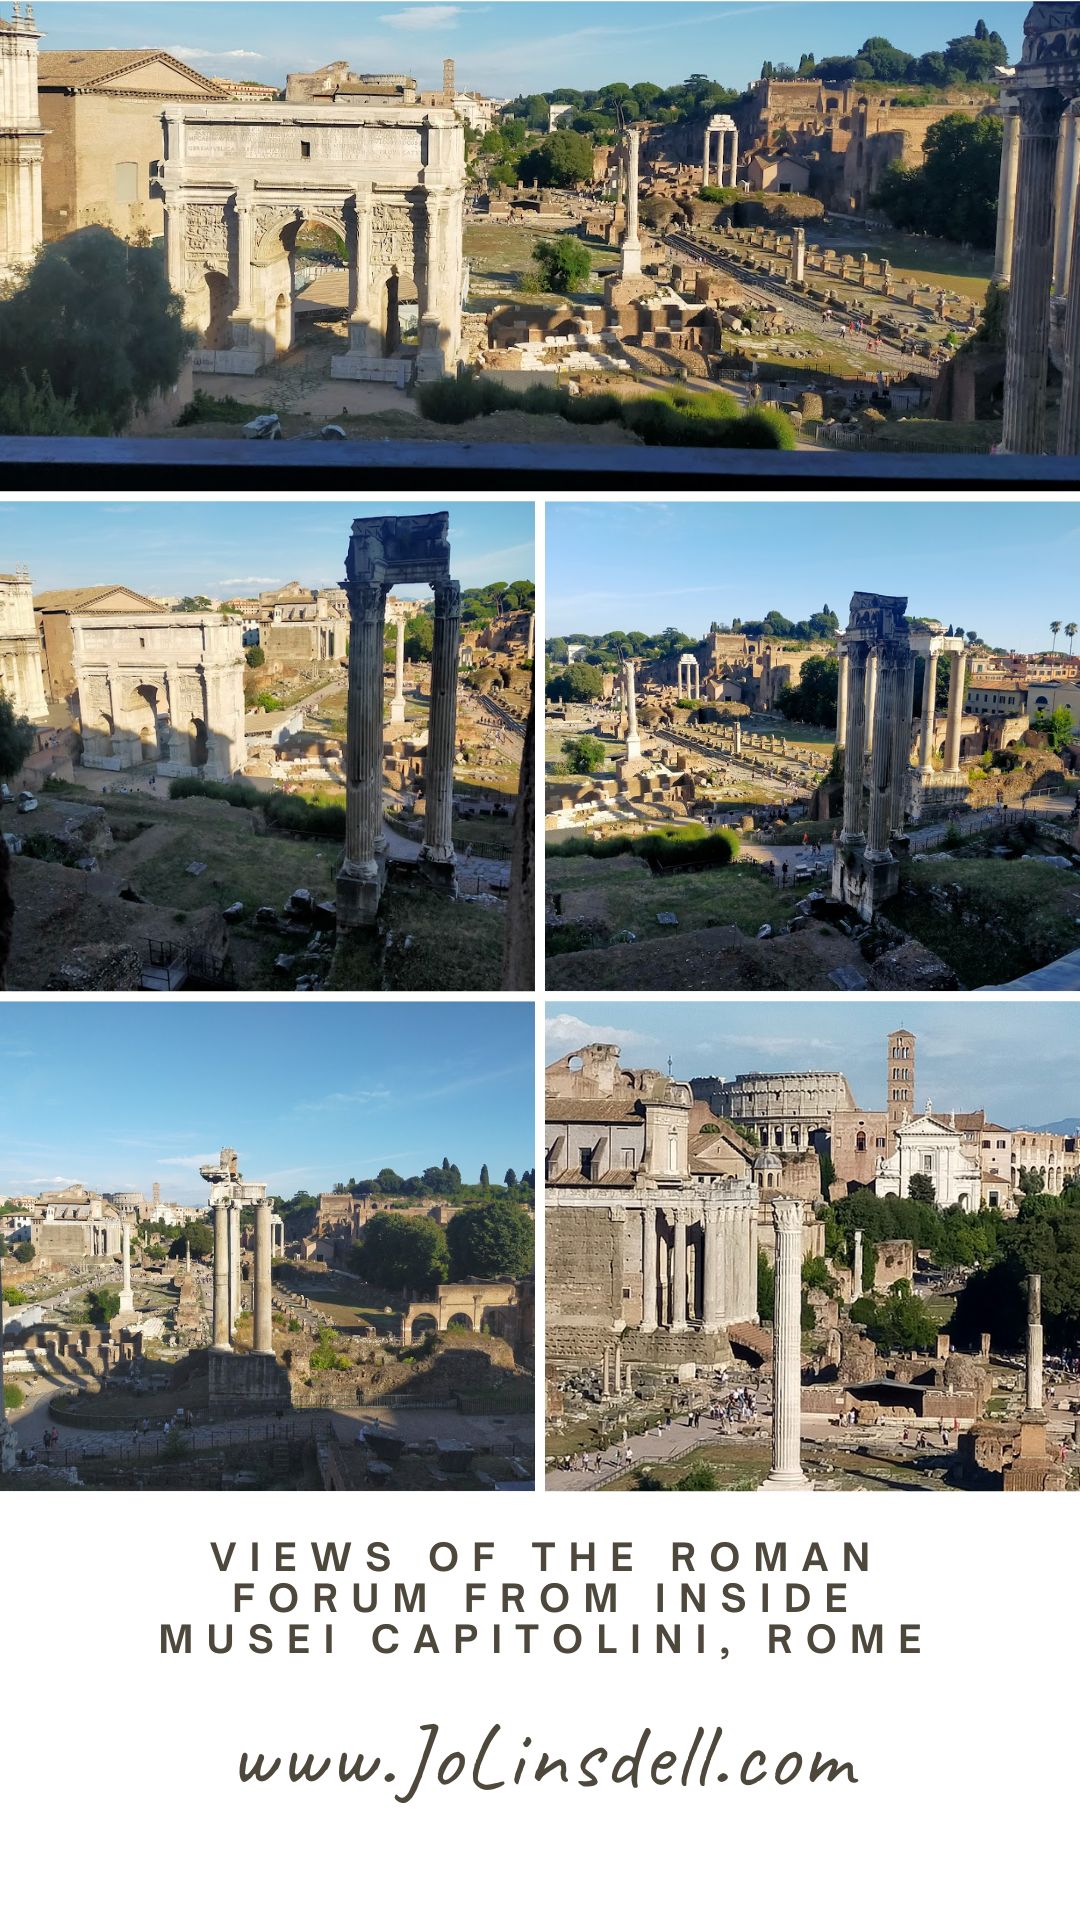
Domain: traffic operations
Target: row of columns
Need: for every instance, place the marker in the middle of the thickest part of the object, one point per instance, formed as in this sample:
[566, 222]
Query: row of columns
[362, 872]
[1037, 257]
[727, 156]
[705, 1292]
[954, 714]
[21, 678]
[689, 674]
[226, 1300]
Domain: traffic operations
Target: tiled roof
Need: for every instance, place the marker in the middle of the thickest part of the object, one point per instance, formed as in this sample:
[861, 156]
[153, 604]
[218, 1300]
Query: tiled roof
[91, 66]
[77, 599]
[565, 1107]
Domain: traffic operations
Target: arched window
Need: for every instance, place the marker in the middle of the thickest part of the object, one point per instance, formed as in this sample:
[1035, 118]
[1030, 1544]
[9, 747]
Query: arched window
[860, 1143]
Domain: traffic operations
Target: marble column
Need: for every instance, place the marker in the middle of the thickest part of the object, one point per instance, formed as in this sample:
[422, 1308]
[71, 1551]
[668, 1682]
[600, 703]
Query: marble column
[1034, 1372]
[1069, 413]
[235, 1302]
[397, 704]
[841, 697]
[881, 759]
[1065, 198]
[678, 1275]
[855, 742]
[871, 696]
[705, 160]
[245, 248]
[262, 1339]
[127, 1298]
[221, 1334]
[631, 246]
[360, 316]
[787, 1475]
[929, 707]
[649, 1269]
[733, 166]
[1006, 213]
[359, 881]
[955, 713]
[901, 759]
[633, 741]
[1028, 340]
[712, 1314]
[438, 847]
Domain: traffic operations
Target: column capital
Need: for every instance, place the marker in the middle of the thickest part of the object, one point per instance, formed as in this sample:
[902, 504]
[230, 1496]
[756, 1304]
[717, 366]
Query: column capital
[447, 595]
[1040, 110]
[366, 598]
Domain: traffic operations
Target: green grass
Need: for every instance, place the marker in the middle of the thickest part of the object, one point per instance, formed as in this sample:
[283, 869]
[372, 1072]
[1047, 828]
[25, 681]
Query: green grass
[740, 896]
[1026, 915]
[455, 946]
[937, 262]
[260, 870]
[938, 436]
[500, 253]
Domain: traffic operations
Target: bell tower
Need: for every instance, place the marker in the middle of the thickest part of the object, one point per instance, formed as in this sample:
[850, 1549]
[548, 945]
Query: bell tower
[21, 139]
[899, 1081]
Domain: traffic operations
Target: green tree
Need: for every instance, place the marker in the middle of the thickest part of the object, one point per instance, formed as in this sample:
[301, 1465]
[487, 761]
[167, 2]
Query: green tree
[578, 683]
[489, 1241]
[812, 699]
[13, 1395]
[510, 1178]
[1057, 726]
[921, 1188]
[563, 265]
[562, 160]
[95, 319]
[23, 1252]
[953, 194]
[255, 656]
[104, 1304]
[194, 603]
[401, 1253]
[17, 739]
[584, 755]
[196, 1239]
[326, 1354]
[896, 1321]
[766, 1286]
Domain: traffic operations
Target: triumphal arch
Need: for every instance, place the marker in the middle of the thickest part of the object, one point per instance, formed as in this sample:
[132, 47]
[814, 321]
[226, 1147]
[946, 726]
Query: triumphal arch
[240, 181]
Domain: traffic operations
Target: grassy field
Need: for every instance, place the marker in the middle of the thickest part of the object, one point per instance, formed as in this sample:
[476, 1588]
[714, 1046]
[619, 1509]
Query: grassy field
[1026, 915]
[498, 254]
[939, 263]
[260, 870]
[629, 897]
[452, 946]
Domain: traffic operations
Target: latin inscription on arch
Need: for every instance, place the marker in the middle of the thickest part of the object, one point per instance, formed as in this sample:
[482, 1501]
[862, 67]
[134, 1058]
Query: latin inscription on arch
[400, 147]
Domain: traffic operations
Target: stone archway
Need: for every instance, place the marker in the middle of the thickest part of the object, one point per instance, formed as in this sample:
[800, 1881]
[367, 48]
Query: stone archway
[198, 742]
[423, 1324]
[462, 1322]
[403, 224]
[219, 305]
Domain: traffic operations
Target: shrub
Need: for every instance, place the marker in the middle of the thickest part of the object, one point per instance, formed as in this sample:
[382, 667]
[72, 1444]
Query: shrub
[206, 406]
[13, 1395]
[235, 793]
[291, 814]
[23, 1252]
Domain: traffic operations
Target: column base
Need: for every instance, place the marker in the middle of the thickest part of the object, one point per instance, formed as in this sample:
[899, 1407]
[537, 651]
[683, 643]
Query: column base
[397, 712]
[359, 891]
[786, 1481]
[631, 262]
[439, 863]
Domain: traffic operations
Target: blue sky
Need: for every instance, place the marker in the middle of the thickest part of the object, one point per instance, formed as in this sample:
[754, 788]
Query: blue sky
[514, 46]
[236, 547]
[121, 1095]
[1001, 569]
[960, 1061]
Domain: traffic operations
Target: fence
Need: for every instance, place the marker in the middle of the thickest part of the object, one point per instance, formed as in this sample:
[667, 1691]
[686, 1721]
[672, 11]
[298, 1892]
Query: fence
[153, 1448]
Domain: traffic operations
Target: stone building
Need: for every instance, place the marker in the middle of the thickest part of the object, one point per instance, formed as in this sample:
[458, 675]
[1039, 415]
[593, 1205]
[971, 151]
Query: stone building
[923, 1145]
[789, 1112]
[300, 626]
[20, 649]
[21, 140]
[240, 181]
[55, 611]
[75, 1224]
[102, 113]
[161, 688]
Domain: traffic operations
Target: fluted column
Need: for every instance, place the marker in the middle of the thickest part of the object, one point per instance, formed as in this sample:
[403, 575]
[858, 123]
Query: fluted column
[712, 1313]
[633, 742]
[234, 1264]
[359, 878]
[649, 1269]
[359, 244]
[1032, 267]
[929, 708]
[1006, 215]
[901, 757]
[871, 696]
[955, 713]
[262, 1332]
[1065, 198]
[397, 704]
[705, 161]
[221, 1335]
[678, 1274]
[1034, 1375]
[855, 742]
[438, 844]
[787, 1475]
[127, 1298]
[841, 697]
[881, 765]
[244, 260]
[631, 246]
[1069, 415]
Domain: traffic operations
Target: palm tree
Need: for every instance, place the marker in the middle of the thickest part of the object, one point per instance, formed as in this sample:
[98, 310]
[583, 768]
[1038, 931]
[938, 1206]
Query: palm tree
[1055, 628]
[1070, 634]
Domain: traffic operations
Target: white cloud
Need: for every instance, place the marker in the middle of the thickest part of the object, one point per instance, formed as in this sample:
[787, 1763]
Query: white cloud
[250, 580]
[210, 53]
[566, 1032]
[192, 1160]
[420, 19]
